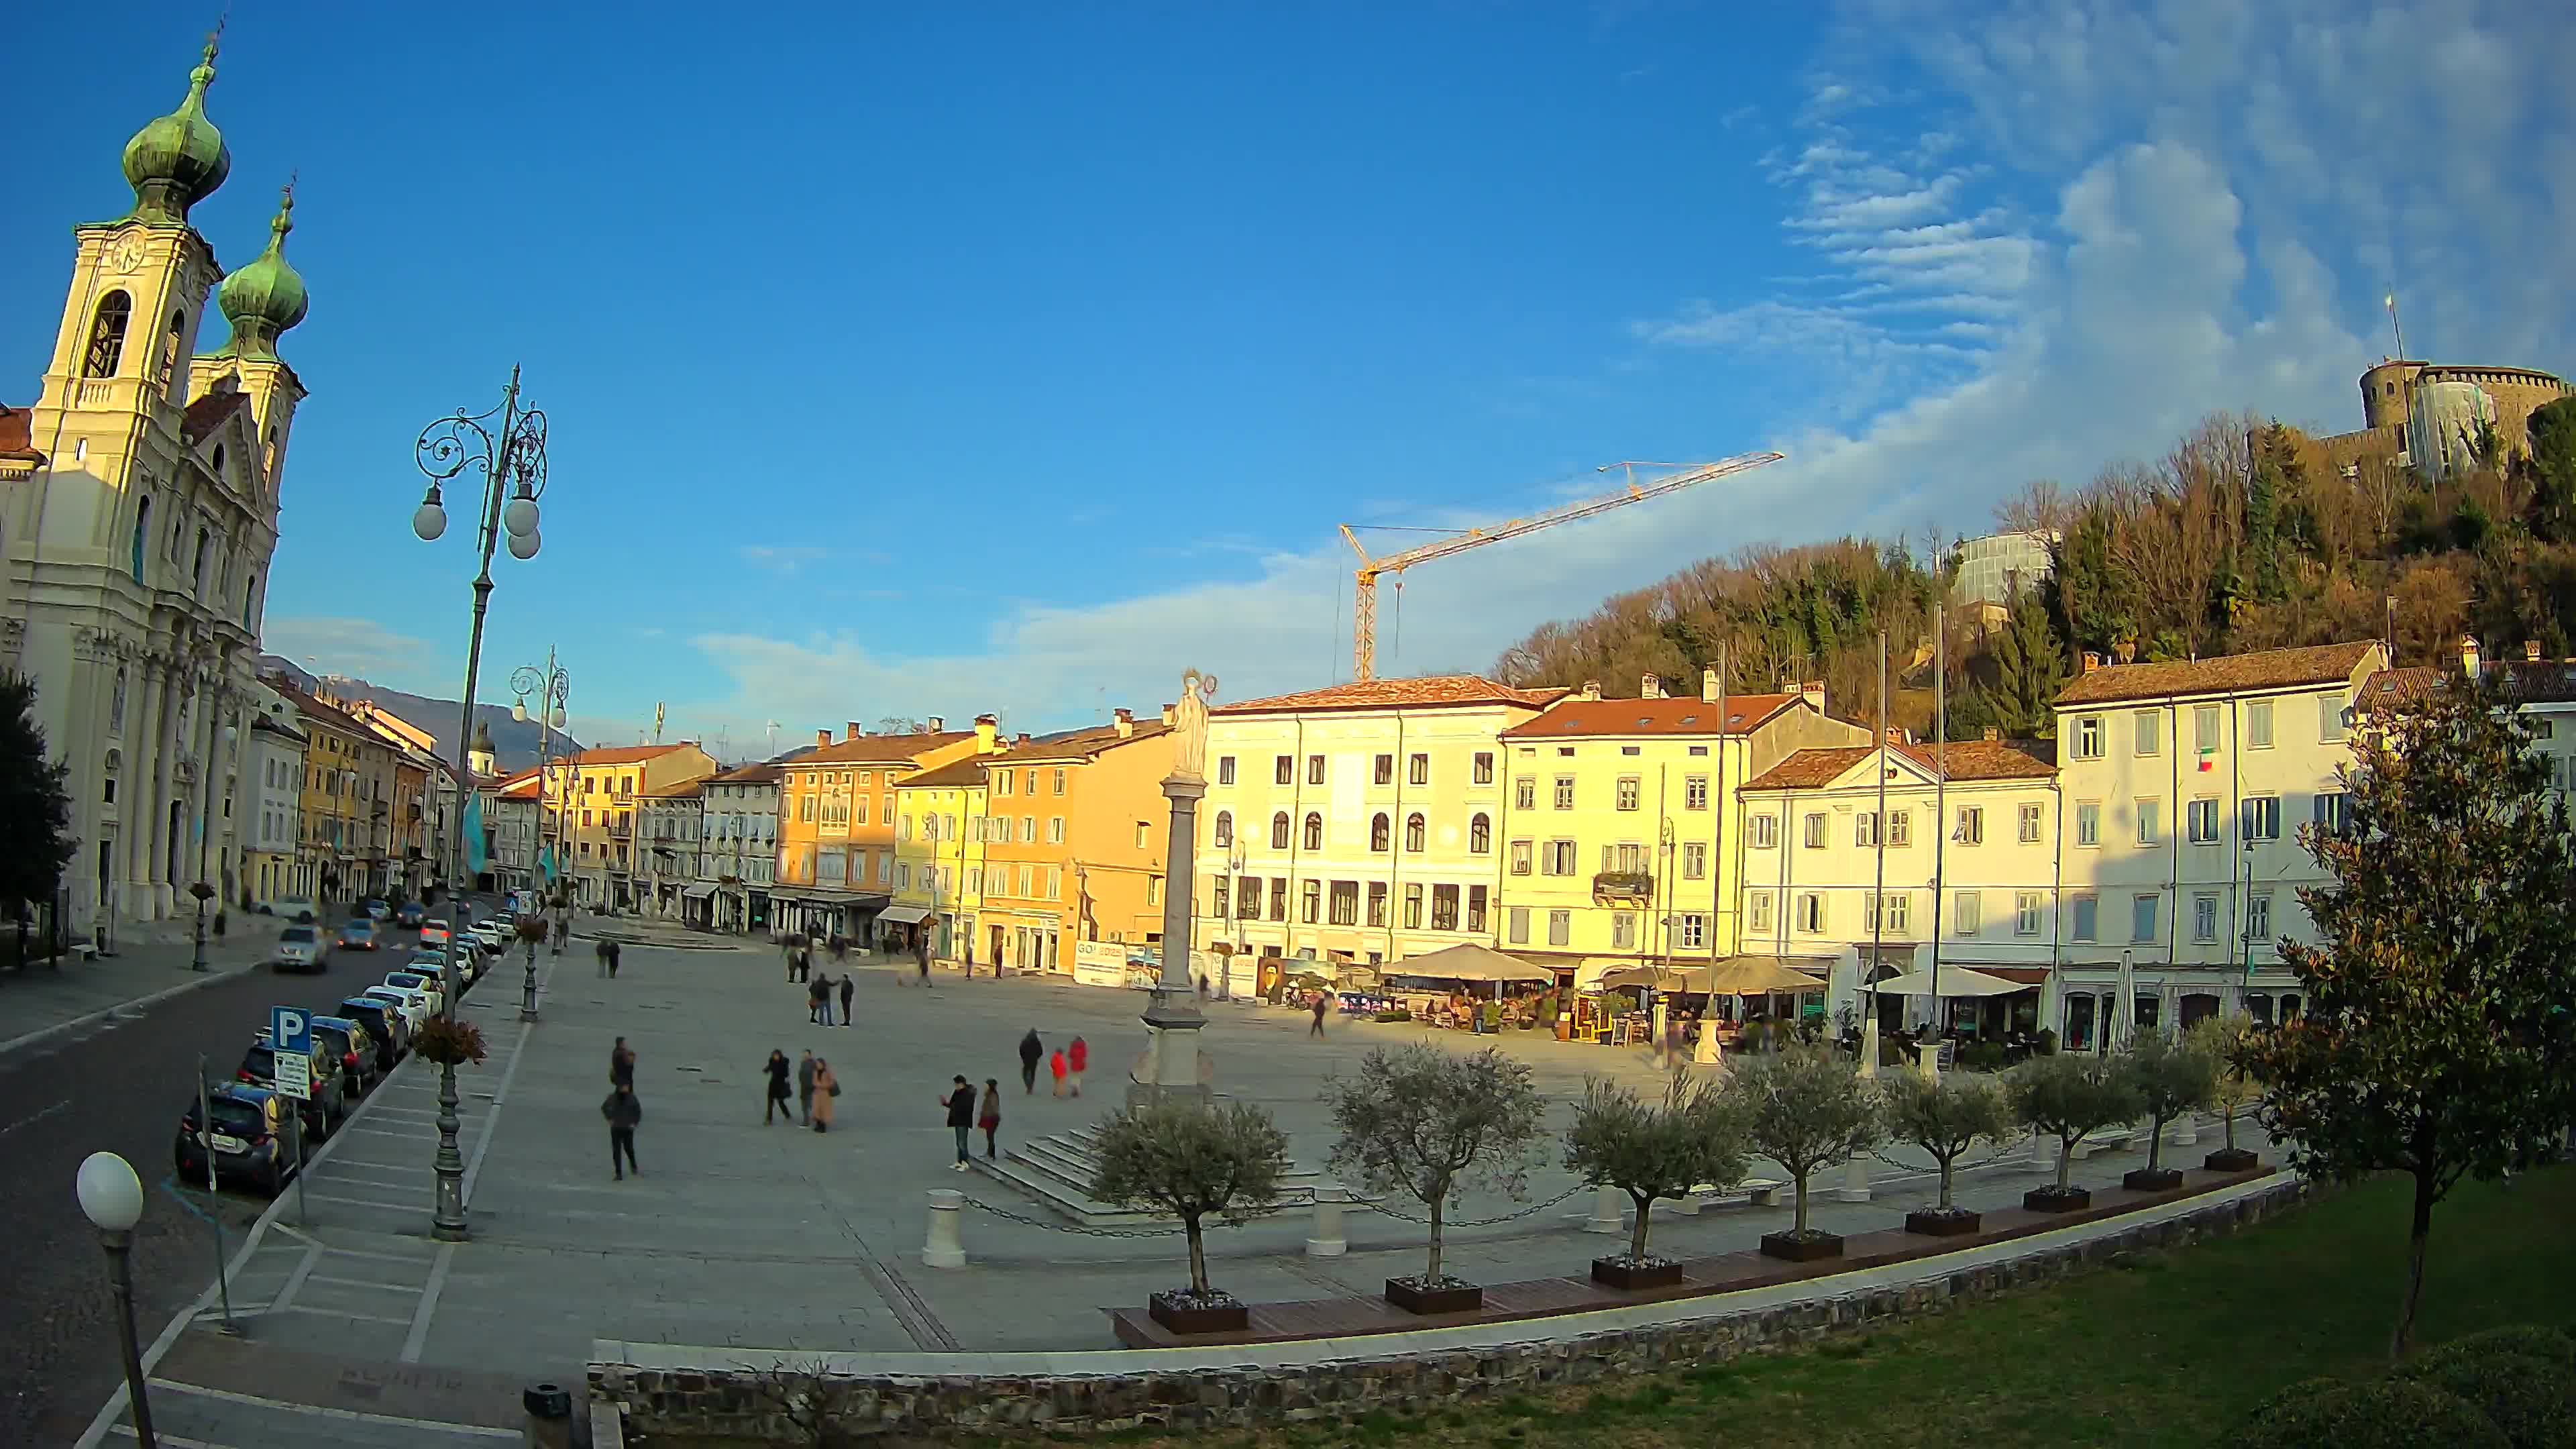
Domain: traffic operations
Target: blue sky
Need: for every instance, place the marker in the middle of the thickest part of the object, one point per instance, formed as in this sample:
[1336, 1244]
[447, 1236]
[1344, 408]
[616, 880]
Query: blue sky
[940, 359]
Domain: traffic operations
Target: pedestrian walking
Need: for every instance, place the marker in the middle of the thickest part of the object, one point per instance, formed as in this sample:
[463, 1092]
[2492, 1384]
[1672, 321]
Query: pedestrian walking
[1076, 1057]
[923, 955]
[1202, 986]
[846, 988]
[616, 956]
[623, 1112]
[989, 1115]
[818, 1001]
[1031, 1050]
[787, 955]
[961, 1116]
[826, 1087]
[1319, 1016]
[1057, 1069]
[805, 1090]
[621, 1064]
[599, 949]
[775, 1105]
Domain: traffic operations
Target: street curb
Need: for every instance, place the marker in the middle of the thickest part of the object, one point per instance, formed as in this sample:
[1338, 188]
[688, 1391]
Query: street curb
[194, 981]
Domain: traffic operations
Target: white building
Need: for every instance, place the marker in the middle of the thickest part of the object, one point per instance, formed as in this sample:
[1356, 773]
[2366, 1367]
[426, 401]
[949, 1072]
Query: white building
[669, 825]
[137, 547]
[737, 866]
[2185, 785]
[274, 763]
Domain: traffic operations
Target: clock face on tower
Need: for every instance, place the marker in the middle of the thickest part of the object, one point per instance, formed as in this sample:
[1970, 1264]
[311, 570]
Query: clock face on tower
[125, 255]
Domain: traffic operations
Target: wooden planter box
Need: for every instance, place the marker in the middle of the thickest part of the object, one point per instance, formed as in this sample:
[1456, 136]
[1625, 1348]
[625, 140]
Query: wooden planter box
[1463, 1298]
[1184, 1315]
[1619, 1273]
[2151, 1179]
[2050, 1200]
[1932, 1223]
[2231, 1159]
[1802, 1250]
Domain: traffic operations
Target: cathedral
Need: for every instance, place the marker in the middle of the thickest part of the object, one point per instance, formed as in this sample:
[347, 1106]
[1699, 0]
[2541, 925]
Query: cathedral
[141, 493]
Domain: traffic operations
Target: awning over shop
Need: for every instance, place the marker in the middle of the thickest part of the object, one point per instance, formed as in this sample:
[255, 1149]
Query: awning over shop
[698, 892]
[1468, 962]
[1762, 975]
[1955, 981]
[904, 915]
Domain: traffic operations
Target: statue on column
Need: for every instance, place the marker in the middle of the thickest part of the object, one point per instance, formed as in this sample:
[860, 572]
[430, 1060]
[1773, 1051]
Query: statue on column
[1190, 726]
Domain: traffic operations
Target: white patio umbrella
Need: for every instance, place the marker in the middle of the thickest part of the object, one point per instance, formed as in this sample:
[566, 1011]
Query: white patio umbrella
[2124, 1024]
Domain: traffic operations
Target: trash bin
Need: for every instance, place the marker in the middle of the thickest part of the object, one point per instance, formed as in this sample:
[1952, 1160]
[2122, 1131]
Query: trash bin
[549, 1409]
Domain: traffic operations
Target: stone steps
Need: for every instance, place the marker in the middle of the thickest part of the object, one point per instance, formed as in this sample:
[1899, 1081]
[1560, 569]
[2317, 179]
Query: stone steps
[1057, 1171]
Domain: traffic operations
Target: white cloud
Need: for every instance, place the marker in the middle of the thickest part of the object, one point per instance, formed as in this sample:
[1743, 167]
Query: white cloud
[361, 648]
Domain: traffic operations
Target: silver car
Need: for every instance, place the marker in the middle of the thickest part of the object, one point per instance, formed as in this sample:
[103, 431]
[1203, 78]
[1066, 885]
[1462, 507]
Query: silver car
[301, 948]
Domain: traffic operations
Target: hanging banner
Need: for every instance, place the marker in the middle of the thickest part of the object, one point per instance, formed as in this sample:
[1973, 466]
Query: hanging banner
[477, 858]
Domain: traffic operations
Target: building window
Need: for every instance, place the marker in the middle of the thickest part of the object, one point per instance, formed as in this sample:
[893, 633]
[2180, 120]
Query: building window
[1413, 833]
[1444, 908]
[2258, 725]
[2142, 918]
[1314, 831]
[1377, 903]
[2151, 822]
[1224, 828]
[2201, 818]
[2088, 823]
[1623, 931]
[2333, 812]
[1225, 769]
[1153, 890]
[1967, 913]
[2030, 819]
[2204, 918]
[2088, 737]
[2260, 817]
[2334, 724]
[1757, 911]
[142, 531]
[1516, 925]
[1279, 831]
[1314, 769]
[1279, 898]
[1565, 792]
[1895, 912]
[1382, 770]
[2087, 925]
[1480, 833]
[1055, 828]
[2205, 728]
[1900, 827]
[107, 335]
[1628, 791]
[1695, 792]
[1248, 905]
[1865, 829]
[1694, 860]
[1413, 908]
[1558, 859]
[1476, 909]
[1971, 829]
[1313, 891]
[2150, 732]
[1346, 903]
[1560, 927]
[1378, 832]
[2026, 907]
[2258, 916]
[1002, 782]
[1763, 831]
[1811, 912]
[1221, 892]
[1284, 770]
[1525, 793]
[1690, 931]
[1813, 827]
[1417, 770]
[1520, 857]
[1484, 767]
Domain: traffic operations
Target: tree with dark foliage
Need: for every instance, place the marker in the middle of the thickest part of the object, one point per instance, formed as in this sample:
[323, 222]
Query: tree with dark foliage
[35, 808]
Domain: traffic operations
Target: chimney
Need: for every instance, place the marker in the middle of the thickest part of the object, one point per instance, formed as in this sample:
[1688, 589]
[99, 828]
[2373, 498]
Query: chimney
[1167, 716]
[2531, 651]
[1591, 689]
[1124, 721]
[1814, 690]
[822, 738]
[938, 724]
[1708, 686]
[1650, 687]
[2469, 657]
[1993, 734]
[850, 730]
[2092, 661]
[1020, 740]
[988, 729]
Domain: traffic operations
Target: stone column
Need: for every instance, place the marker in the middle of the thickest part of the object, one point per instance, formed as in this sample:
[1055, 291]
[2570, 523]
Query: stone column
[154, 888]
[1855, 1186]
[943, 1247]
[1171, 1066]
[1329, 1239]
[1609, 1208]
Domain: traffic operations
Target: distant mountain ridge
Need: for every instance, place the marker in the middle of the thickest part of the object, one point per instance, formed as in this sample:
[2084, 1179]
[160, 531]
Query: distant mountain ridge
[514, 744]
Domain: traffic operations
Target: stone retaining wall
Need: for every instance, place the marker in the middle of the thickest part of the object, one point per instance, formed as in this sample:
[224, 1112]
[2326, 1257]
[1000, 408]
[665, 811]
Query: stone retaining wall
[735, 1405]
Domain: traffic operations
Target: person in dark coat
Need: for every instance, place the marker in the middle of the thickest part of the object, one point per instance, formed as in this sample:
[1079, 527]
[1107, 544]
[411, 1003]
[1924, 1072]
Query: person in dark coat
[621, 1064]
[961, 1117]
[1032, 1051]
[599, 949]
[818, 1000]
[1319, 1016]
[779, 1092]
[846, 988]
[805, 1090]
[988, 1114]
[623, 1112]
[616, 956]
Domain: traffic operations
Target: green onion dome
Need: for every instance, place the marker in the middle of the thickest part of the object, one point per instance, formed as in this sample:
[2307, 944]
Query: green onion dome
[178, 160]
[264, 297]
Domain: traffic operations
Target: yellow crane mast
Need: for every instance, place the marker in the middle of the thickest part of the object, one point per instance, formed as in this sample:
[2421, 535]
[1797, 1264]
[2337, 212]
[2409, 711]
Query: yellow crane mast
[1364, 579]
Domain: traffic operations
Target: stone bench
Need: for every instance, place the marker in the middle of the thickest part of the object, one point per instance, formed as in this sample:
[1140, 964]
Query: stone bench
[2117, 1139]
[1757, 1191]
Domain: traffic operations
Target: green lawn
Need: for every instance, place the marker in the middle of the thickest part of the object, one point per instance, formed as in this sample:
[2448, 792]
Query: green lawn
[2173, 1350]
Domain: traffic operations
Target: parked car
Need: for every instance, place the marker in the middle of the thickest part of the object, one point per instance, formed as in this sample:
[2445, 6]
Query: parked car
[355, 1048]
[428, 985]
[494, 934]
[409, 915]
[244, 1128]
[414, 1005]
[299, 909]
[327, 1104]
[433, 932]
[378, 909]
[301, 948]
[358, 935]
[386, 1023]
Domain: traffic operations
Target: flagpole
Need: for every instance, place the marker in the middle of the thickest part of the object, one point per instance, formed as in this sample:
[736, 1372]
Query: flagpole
[2396, 327]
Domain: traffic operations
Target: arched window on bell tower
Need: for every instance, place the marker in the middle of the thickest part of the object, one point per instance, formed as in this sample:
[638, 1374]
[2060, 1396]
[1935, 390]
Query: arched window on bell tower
[170, 348]
[107, 335]
[142, 531]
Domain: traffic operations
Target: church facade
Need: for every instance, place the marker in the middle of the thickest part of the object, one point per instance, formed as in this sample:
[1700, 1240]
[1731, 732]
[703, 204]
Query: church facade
[139, 526]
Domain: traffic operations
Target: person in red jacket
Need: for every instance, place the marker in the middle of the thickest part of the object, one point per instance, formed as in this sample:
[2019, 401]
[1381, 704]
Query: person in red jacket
[1077, 1057]
[1055, 1065]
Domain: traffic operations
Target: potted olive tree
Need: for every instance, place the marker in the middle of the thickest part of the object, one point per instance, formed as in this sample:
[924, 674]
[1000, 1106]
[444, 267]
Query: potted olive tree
[1193, 1162]
[2222, 1039]
[2171, 1077]
[1424, 1122]
[1652, 1151]
[2067, 1097]
[1945, 1116]
[1807, 1110]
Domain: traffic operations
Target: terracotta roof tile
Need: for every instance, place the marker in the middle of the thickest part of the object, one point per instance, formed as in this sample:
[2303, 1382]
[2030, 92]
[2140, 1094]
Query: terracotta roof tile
[1424, 691]
[2225, 674]
[208, 413]
[766, 774]
[678, 790]
[1082, 744]
[1968, 760]
[2535, 681]
[968, 772]
[1582, 718]
[878, 749]
[17, 435]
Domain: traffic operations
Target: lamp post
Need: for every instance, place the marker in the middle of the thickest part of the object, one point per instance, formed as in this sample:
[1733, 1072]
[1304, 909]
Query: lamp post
[553, 689]
[508, 444]
[111, 1196]
[1234, 866]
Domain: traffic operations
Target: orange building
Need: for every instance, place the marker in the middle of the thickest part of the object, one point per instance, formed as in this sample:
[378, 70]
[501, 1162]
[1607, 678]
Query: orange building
[590, 798]
[836, 826]
[1075, 828]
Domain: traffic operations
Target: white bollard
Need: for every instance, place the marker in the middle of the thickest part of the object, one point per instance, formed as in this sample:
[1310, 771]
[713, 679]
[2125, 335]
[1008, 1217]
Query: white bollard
[1927, 1060]
[1855, 1186]
[943, 1248]
[1706, 1053]
[2182, 1131]
[1328, 1239]
[1607, 1210]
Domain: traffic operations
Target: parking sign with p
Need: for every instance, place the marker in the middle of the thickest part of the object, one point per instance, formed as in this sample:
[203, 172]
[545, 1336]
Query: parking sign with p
[290, 1029]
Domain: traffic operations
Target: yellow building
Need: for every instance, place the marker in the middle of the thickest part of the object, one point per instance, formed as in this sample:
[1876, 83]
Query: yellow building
[1616, 850]
[836, 821]
[1073, 844]
[1358, 823]
[595, 791]
[348, 779]
[939, 837]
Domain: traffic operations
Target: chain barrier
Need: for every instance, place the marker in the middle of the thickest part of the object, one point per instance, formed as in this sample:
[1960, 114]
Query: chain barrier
[1379, 1205]
[2000, 1154]
[1026, 1221]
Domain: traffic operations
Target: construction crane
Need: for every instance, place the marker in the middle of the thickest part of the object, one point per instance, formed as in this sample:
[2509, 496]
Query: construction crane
[1364, 579]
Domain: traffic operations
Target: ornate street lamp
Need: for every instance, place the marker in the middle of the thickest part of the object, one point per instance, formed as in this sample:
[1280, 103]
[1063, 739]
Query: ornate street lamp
[553, 689]
[111, 1197]
[508, 445]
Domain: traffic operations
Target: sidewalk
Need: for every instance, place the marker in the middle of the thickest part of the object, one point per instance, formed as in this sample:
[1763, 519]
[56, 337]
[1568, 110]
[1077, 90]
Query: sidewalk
[42, 1002]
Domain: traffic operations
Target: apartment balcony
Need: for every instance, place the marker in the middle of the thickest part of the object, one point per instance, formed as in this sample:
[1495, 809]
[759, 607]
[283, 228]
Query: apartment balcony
[620, 831]
[1623, 885]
